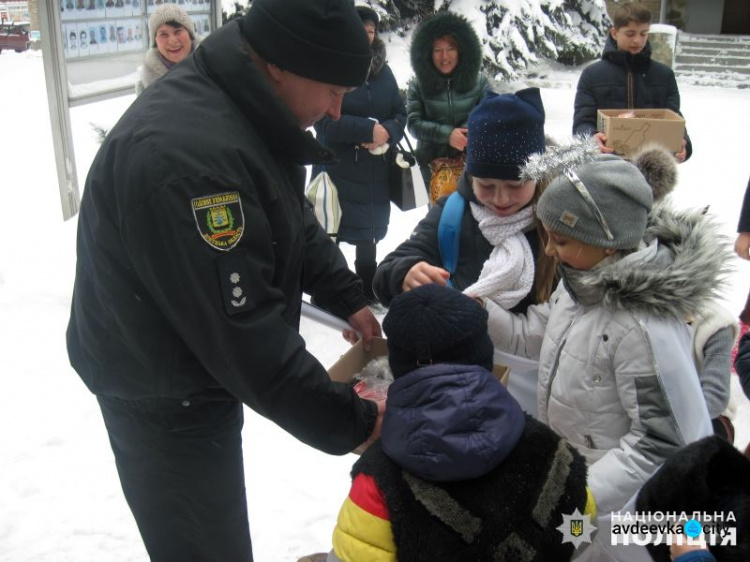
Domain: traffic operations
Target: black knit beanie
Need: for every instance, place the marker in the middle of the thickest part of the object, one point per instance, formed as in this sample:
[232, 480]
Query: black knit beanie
[434, 324]
[504, 130]
[322, 40]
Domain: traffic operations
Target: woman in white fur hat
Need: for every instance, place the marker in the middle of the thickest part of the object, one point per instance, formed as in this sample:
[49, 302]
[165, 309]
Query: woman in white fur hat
[171, 38]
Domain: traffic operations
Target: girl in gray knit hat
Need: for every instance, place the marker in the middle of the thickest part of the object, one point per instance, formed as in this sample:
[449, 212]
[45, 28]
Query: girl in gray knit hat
[171, 39]
[616, 375]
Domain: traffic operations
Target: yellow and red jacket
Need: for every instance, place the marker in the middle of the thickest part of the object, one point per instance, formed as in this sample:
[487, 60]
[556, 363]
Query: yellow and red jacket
[363, 529]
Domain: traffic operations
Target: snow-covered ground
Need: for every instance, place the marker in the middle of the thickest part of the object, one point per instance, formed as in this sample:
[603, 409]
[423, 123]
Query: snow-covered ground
[60, 499]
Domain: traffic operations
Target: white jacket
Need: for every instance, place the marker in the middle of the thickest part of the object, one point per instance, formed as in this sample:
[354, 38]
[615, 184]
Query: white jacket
[616, 372]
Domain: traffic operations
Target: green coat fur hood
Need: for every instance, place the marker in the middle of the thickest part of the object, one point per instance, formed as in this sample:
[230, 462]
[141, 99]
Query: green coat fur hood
[465, 77]
[438, 103]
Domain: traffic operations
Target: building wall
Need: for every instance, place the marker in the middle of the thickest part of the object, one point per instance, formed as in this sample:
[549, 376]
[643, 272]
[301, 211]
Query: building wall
[704, 16]
[14, 10]
[676, 10]
[34, 15]
[698, 16]
[736, 17]
[677, 13]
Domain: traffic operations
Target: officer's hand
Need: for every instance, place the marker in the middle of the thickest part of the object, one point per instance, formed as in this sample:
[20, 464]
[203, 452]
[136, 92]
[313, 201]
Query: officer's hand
[375, 432]
[364, 322]
[423, 273]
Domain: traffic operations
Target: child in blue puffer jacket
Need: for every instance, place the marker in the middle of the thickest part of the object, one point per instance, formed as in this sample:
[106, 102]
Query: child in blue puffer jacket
[461, 473]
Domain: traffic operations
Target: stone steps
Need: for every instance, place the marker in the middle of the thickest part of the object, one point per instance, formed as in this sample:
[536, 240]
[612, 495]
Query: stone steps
[706, 59]
[723, 63]
[728, 41]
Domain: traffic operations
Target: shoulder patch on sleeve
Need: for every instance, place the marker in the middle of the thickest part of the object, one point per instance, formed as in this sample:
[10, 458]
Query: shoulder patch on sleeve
[219, 219]
[234, 276]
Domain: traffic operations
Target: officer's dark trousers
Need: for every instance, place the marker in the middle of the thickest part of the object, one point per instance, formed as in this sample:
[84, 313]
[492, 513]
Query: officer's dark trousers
[180, 465]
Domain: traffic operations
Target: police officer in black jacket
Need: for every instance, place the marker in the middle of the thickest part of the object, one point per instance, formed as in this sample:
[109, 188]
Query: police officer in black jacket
[194, 247]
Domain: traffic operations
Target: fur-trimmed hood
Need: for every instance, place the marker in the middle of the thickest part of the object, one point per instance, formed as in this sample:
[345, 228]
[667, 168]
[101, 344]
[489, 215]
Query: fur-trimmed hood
[465, 76]
[379, 57]
[682, 264]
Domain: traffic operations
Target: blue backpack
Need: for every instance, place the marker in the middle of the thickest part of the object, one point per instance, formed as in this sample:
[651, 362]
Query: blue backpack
[449, 232]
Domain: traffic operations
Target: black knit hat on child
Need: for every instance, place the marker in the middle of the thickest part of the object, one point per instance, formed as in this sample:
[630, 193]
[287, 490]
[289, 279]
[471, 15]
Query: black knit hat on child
[504, 130]
[169, 13]
[603, 203]
[434, 324]
[322, 40]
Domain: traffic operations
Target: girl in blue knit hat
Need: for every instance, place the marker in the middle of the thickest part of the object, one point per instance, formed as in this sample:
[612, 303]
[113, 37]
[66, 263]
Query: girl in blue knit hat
[497, 251]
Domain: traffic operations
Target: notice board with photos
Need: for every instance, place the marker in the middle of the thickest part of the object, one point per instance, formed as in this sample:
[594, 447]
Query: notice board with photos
[97, 27]
[104, 41]
[93, 50]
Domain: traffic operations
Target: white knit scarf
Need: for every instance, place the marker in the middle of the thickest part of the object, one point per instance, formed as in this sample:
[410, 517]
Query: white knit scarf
[508, 274]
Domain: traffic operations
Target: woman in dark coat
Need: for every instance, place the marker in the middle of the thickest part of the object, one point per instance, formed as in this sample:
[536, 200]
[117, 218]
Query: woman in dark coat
[372, 120]
[446, 57]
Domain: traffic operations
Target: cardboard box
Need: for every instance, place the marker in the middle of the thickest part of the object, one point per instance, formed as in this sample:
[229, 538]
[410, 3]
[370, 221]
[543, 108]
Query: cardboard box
[355, 359]
[626, 134]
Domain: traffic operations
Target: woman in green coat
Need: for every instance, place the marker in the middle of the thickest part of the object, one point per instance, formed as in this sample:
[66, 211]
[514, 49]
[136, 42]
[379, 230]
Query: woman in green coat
[446, 57]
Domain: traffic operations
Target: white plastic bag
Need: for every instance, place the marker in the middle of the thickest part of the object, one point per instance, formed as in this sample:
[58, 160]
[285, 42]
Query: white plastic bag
[323, 195]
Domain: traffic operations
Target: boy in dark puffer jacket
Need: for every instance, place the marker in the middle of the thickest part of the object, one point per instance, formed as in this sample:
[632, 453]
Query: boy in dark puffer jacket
[626, 77]
[461, 473]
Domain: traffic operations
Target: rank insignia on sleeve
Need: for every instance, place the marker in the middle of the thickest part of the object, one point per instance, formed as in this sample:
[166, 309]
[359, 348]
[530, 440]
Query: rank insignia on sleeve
[234, 276]
[219, 219]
